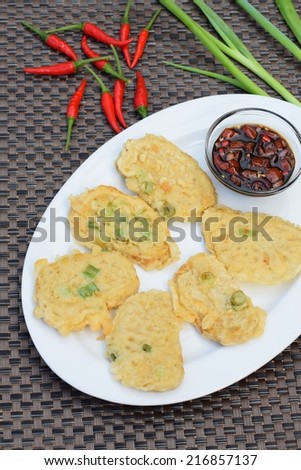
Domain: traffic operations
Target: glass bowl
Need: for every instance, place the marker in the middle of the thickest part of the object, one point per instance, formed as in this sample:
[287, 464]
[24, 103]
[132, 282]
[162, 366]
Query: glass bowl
[262, 186]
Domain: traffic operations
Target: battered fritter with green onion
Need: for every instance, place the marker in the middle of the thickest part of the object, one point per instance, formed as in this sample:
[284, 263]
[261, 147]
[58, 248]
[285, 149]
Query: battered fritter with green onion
[204, 293]
[143, 347]
[255, 247]
[164, 176]
[79, 289]
[108, 218]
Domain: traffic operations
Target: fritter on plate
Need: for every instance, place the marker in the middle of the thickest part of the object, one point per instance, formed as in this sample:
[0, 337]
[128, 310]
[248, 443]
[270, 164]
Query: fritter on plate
[255, 247]
[143, 346]
[77, 290]
[168, 179]
[204, 293]
[106, 217]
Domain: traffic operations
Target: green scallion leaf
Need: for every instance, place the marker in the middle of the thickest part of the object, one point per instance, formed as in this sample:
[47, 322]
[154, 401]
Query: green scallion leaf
[270, 28]
[92, 225]
[119, 234]
[213, 45]
[87, 290]
[110, 209]
[207, 276]
[144, 182]
[146, 348]
[241, 54]
[65, 291]
[232, 47]
[290, 16]
[207, 73]
[91, 271]
[147, 187]
[112, 357]
[167, 210]
[225, 32]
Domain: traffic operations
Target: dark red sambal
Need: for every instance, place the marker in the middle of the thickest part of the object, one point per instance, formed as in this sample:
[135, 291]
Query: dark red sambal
[253, 158]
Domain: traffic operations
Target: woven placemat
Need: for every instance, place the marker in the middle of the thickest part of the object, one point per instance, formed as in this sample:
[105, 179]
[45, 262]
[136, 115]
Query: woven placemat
[40, 411]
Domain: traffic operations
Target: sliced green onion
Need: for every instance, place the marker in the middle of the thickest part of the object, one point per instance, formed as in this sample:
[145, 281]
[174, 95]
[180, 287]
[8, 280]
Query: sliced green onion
[110, 209]
[167, 210]
[241, 54]
[238, 299]
[92, 224]
[290, 16]
[144, 183]
[270, 28]
[119, 234]
[207, 276]
[210, 42]
[87, 290]
[146, 348]
[225, 32]
[147, 187]
[65, 291]
[242, 231]
[207, 73]
[112, 357]
[91, 271]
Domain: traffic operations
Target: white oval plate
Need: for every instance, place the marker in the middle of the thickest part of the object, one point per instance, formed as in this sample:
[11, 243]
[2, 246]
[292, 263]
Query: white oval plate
[79, 358]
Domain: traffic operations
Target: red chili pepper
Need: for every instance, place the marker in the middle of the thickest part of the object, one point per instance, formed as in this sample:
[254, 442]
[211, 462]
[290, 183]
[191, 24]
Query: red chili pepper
[124, 33]
[52, 41]
[142, 39]
[140, 97]
[102, 65]
[73, 108]
[92, 30]
[107, 103]
[119, 89]
[63, 68]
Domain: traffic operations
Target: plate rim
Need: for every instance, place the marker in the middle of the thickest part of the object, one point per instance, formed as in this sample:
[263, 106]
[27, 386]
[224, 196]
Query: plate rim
[247, 100]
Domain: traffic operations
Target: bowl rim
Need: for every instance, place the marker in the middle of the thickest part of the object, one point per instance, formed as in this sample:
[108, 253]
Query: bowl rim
[215, 172]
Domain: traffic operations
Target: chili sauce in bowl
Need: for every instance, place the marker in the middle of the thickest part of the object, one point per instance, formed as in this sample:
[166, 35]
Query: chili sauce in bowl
[253, 151]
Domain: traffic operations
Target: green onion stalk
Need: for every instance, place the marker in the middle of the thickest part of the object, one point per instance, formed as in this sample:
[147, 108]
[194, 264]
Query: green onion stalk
[207, 73]
[238, 51]
[209, 41]
[290, 16]
[232, 46]
[270, 28]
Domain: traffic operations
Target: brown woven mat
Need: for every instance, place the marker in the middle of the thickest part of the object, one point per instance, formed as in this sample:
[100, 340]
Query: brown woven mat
[39, 410]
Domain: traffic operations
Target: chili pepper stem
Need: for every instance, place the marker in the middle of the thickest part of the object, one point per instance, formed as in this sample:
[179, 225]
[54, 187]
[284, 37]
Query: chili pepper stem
[142, 110]
[69, 27]
[103, 87]
[80, 63]
[119, 73]
[35, 30]
[153, 19]
[70, 123]
[126, 12]
[117, 61]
